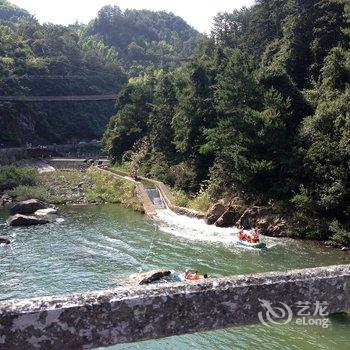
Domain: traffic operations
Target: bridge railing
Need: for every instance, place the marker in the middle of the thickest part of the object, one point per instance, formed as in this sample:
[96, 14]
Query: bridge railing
[90, 320]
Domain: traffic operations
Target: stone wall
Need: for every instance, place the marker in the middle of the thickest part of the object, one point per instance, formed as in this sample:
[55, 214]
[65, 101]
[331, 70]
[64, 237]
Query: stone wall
[10, 155]
[73, 164]
[91, 320]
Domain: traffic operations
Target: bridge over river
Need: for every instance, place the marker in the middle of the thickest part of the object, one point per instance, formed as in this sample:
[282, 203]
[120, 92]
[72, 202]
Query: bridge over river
[91, 320]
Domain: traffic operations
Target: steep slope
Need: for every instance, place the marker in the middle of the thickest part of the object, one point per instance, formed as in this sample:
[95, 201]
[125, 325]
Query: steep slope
[53, 60]
[260, 115]
[10, 12]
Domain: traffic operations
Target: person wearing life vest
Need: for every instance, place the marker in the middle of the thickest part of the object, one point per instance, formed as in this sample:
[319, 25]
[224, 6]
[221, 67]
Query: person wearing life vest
[241, 235]
[194, 276]
[256, 236]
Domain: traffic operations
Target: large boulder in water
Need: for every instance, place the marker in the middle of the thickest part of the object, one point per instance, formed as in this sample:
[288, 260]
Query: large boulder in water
[251, 216]
[153, 276]
[276, 228]
[146, 277]
[214, 213]
[4, 240]
[229, 217]
[23, 220]
[28, 207]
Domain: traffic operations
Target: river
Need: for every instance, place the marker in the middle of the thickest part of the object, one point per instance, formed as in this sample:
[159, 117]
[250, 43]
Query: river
[96, 245]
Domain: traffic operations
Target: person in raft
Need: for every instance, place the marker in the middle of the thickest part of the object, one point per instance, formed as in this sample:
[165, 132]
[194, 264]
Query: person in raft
[254, 237]
[194, 276]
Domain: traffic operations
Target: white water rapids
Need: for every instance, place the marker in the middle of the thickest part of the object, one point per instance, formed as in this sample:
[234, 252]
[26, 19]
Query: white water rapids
[193, 228]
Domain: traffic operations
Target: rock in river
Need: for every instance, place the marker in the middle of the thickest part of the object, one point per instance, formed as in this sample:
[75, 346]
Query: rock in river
[28, 207]
[152, 276]
[47, 211]
[214, 213]
[228, 218]
[4, 240]
[23, 220]
[145, 277]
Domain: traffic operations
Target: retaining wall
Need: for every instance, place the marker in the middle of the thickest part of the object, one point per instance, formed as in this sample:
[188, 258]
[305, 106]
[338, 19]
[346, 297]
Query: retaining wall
[72, 164]
[140, 192]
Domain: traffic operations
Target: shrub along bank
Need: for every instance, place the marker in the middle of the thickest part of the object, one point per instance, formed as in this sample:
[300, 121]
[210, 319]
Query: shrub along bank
[65, 187]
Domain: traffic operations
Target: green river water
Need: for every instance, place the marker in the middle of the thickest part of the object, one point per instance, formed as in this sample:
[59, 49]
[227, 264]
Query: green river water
[95, 245]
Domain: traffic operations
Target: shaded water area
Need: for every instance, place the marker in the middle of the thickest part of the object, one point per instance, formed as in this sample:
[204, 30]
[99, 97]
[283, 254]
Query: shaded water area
[96, 245]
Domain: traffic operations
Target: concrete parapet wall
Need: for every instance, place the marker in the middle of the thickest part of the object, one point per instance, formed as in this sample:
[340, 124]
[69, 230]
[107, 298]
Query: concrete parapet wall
[142, 196]
[91, 320]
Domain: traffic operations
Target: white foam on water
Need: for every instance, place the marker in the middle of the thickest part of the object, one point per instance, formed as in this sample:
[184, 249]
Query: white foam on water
[193, 228]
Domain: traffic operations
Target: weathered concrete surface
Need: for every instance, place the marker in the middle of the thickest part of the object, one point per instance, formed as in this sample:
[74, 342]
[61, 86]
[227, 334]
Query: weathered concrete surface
[68, 164]
[90, 320]
[142, 196]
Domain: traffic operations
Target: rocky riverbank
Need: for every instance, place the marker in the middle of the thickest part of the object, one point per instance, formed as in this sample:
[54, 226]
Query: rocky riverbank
[68, 187]
[233, 212]
[74, 188]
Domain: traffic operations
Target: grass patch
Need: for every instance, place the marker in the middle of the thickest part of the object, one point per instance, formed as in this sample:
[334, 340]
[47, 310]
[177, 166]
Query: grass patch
[200, 202]
[109, 188]
[22, 193]
[66, 186]
[122, 167]
[13, 176]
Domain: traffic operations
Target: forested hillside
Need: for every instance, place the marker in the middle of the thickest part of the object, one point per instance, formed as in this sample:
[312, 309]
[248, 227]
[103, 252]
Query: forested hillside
[261, 112]
[53, 60]
[145, 38]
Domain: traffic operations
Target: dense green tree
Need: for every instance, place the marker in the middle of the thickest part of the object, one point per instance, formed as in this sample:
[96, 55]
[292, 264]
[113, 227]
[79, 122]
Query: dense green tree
[145, 38]
[164, 101]
[325, 193]
[56, 60]
[129, 125]
[261, 111]
[10, 12]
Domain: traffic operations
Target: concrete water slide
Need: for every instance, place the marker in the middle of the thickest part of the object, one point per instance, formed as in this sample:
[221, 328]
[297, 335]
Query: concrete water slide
[155, 195]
